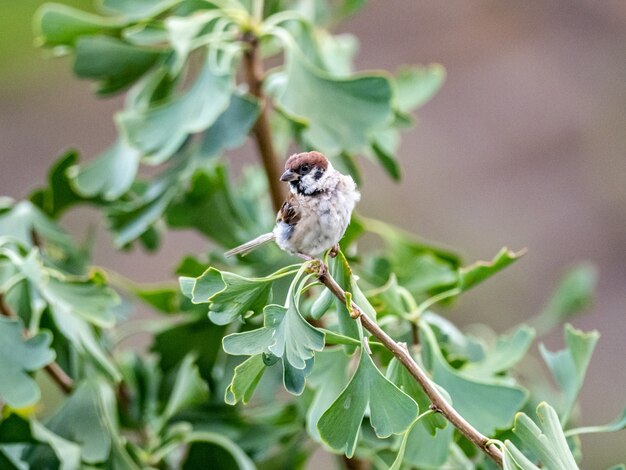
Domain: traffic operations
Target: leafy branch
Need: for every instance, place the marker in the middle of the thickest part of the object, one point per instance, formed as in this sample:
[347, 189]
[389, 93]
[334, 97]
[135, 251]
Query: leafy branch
[197, 88]
[439, 403]
[54, 370]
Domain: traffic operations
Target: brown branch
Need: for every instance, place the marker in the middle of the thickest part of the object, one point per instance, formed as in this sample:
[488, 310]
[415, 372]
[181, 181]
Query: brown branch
[54, 370]
[63, 380]
[438, 402]
[262, 132]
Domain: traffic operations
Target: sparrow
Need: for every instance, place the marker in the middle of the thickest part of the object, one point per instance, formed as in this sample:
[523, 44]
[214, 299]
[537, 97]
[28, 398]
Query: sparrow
[317, 211]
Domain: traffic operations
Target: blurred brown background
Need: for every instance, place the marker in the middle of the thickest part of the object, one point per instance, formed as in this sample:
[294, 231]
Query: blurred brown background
[524, 146]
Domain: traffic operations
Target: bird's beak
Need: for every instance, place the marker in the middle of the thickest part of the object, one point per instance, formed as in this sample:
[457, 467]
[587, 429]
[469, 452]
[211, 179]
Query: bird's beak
[289, 175]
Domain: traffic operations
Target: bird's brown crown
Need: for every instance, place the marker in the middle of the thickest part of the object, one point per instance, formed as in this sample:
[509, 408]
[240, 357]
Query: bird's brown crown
[311, 158]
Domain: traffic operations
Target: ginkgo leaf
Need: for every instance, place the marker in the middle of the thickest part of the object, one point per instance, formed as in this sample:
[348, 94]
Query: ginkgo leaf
[246, 378]
[417, 84]
[61, 25]
[573, 295]
[58, 195]
[110, 175]
[112, 62]
[161, 129]
[30, 226]
[569, 366]
[487, 405]
[545, 439]
[478, 272]
[84, 418]
[391, 410]
[286, 335]
[340, 114]
[137, 9]
[18, 356]
[188, 389]
[505, 353]
[328, 378]
[231, 296]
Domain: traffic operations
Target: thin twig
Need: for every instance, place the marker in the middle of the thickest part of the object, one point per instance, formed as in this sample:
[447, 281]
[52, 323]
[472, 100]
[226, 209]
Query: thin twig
[262, 132]
[438, 402]
[53, 369]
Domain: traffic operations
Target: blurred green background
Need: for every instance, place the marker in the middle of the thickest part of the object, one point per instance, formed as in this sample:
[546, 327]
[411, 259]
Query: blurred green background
[524, 146]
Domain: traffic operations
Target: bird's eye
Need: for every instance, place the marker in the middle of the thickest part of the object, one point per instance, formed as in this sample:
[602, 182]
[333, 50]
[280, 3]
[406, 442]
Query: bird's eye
[304, 168]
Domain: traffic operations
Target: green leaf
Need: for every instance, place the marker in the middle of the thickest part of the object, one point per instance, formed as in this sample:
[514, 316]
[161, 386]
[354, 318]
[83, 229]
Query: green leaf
[340, 114]
[198, 336]
[322, 303]
[569, 366]
[29, 444]
[514, 459]
[113, 63]
[162, 128]
[59, 195]
[617, 424]
[182, 32]
[130, 220]
[61, 25]
[210, 206]
[232, 127]
[231, 296]
[545, 440]
[487, 405]
[424, 270]
[213, 447]
[457, 345]
[73, 303]
[189, 389]
[508, 351]
[18, 357]
[246, 378]
[67, 452]
[87, 298]
[84, 418]
[337, 52]
[391, 410]
[573, 295]
[478, 272]
[417, 84]
[385, 145]
[138, 9]
[421, 449]
[284, 334]
[328, 378]
[398, 374]
[27, 223]
[427, 441]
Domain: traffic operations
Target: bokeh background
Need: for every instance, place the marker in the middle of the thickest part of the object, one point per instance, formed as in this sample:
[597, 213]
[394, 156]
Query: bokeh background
[524, 146]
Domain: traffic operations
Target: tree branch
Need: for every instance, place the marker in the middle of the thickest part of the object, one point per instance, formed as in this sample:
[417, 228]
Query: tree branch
[262, 132]
[438, 402]
[54, 370]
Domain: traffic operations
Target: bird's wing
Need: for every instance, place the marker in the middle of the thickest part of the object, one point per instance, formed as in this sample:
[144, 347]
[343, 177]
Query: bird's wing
[289, 212]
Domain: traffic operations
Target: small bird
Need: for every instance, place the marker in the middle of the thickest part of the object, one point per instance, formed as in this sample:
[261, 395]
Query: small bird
[317, 212]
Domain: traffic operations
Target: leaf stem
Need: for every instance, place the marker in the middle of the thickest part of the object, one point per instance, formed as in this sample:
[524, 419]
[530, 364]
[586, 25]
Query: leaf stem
[438, 402]
[53, 369]
[262, 132]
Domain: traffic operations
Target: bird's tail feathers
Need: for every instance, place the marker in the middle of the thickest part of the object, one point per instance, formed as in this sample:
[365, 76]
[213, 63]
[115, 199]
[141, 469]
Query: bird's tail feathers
[251, 245]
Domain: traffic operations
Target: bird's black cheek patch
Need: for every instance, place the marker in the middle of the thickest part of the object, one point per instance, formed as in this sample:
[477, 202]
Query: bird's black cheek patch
[318, 175]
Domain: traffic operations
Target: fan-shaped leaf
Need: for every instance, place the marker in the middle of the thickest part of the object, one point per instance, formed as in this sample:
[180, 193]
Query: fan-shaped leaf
[18, 356]
[391, 410]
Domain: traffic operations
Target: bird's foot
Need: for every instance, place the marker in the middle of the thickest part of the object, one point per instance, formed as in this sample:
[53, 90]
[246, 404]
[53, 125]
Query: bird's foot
[334, 251]
[317, 267]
